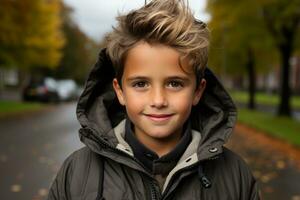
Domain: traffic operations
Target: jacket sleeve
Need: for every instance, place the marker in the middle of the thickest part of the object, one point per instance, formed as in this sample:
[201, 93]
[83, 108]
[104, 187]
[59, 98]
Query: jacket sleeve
[245, 186]
[249, 184]
[59, 188]
[254, 192]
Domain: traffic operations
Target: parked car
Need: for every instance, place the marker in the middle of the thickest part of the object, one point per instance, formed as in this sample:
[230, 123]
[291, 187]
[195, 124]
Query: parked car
[42, 90]
[67, 90]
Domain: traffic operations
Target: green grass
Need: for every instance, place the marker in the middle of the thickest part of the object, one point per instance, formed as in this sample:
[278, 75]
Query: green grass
[280, 127]
[11, 107]
[263, 98]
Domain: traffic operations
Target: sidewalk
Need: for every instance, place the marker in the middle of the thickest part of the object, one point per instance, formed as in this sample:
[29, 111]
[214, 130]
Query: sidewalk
[274, 163]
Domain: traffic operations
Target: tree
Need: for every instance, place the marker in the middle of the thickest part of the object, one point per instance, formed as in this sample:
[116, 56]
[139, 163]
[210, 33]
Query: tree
[30, 34]
[79, 52]
[282, 20]
[245, 46]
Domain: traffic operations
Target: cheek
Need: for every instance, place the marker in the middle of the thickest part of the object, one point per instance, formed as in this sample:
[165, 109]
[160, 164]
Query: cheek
[134, 103]
[183, 103]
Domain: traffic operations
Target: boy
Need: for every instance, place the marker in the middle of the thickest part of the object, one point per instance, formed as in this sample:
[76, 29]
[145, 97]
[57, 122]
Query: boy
[154, 120]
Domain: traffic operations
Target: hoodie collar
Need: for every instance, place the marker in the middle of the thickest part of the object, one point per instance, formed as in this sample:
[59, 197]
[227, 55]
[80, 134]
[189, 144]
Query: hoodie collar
[99, 110]
[154, 163]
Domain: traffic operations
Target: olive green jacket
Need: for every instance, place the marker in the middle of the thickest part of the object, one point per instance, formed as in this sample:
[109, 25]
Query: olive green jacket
[107, 169]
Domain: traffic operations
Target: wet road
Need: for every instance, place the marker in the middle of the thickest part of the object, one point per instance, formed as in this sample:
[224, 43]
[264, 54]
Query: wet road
[32, 148]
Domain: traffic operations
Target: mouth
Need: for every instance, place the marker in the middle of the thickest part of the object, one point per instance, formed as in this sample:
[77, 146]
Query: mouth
[159, 117]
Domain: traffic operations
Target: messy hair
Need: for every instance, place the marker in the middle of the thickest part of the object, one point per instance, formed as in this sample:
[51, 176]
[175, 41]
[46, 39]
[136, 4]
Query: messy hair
[167, 22]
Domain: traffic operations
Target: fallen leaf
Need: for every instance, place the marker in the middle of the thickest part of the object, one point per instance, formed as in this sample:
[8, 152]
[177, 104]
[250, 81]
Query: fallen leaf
[280, 164]
[267, 177]
[16, 188]
[43, 192]
[296, 197]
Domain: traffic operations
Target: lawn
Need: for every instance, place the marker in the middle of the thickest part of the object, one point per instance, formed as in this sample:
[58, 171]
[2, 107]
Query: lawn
[263, 98]
[12, 107]
[280, 127]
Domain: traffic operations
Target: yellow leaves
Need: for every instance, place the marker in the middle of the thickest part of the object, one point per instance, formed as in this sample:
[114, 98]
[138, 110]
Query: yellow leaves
[46, 36]
[31, 30]
[238, 27]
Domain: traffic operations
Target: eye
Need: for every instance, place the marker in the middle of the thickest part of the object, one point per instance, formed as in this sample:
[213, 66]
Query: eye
[140, 84]
[175, 84]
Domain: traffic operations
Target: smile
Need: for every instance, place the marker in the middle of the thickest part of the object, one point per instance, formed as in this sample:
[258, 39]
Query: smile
[159, 117]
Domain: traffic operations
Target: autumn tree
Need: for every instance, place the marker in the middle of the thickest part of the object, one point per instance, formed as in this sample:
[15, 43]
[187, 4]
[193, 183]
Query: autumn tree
[239, 45]
[30, 33]
[282, 20]
[79, 52]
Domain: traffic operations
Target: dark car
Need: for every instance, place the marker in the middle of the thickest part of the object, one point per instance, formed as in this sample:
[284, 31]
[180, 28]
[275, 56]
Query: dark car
[42, 90]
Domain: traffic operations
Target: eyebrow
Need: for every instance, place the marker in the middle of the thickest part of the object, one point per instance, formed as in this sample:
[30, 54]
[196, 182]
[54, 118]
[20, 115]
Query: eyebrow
[184, 78]
[137, 78]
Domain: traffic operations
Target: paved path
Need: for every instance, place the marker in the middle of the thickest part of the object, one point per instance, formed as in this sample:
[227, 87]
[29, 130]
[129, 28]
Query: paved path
[275, 164]
[32, 148]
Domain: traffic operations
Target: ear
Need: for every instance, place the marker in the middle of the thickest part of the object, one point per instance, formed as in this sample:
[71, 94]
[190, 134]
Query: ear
[119, 92]
[199, 91]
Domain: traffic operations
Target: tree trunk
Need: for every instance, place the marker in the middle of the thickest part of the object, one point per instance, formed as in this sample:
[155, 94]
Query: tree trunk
[251, 79]
[284, 108]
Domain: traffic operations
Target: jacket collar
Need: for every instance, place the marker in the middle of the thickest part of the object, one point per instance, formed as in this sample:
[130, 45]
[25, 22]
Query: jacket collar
[98, 109]
[154, 163]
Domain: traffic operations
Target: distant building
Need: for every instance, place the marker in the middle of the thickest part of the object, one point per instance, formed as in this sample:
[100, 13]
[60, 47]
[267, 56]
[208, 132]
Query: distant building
[9, 77]
[269, 82]
[9, 83]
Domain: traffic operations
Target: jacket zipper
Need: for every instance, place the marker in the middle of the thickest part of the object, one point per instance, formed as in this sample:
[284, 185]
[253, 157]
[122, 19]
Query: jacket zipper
[154, 193]
[165, 195]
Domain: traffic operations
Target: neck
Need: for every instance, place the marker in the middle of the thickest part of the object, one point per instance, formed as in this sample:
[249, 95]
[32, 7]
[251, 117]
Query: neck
[161, 146]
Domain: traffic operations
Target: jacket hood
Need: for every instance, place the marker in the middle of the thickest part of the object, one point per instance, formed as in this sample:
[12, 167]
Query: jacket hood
[98, 109]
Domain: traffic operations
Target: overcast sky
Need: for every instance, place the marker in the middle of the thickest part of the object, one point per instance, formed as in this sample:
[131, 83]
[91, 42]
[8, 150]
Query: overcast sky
[96, 17]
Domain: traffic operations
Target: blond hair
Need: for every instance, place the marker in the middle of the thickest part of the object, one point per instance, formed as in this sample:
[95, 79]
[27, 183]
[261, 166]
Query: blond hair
[167, 22]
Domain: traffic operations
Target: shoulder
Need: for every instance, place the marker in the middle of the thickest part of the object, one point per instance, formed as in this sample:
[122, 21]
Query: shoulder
[81, 161]
[71, 180]
[229, 167]
[78, 159]
[232, 157]
[234, 164]
[78, 166]
[78, 156]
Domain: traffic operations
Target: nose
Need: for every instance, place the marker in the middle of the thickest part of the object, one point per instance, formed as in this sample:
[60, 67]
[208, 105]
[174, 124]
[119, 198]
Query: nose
[158, 98]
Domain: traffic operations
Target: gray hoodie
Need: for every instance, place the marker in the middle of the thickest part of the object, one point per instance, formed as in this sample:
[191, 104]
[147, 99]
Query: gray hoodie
[106, 167]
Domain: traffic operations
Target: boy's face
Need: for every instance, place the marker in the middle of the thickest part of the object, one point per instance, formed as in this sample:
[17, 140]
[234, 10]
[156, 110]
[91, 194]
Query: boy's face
[157, 93]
